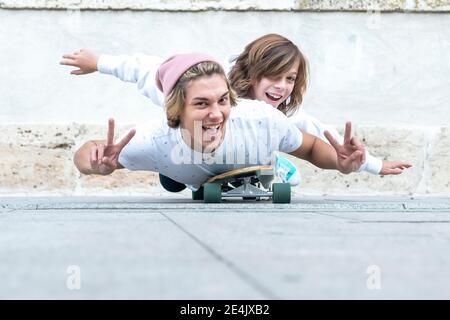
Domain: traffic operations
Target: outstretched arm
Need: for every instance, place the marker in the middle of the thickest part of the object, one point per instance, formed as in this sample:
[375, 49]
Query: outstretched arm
[101, 156]
[346, 157]
[139, 68]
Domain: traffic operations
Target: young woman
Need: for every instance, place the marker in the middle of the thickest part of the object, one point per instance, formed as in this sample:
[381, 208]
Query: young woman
[207, 130]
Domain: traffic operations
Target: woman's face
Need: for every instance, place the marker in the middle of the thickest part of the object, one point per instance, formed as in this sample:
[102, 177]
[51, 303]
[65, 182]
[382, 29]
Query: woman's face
[275, 90]
[206, 110]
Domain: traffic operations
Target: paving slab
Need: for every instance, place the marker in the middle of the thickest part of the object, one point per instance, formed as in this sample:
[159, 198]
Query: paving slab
[120, 255]
[314, 255]
[171, 247]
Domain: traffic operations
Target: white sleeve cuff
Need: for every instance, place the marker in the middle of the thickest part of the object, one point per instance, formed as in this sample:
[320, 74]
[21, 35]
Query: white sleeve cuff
[372, 165]
[107, 63]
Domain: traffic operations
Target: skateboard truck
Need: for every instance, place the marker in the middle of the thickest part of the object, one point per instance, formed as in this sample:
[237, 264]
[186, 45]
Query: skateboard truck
[250, 180]
[246, 190]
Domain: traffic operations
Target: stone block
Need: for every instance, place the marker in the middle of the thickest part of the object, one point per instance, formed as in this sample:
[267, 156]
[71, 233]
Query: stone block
[33, 169]
[58, 136]
[385, 144]
[200, 5]
[370, 5]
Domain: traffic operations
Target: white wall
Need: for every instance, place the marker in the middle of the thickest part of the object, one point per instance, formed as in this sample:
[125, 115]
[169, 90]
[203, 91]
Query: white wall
[392, 69]
[387, 72]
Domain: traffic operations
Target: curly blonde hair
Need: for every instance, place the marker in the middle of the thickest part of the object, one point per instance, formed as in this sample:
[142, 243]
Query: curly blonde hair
[175, 101]
[270, 56]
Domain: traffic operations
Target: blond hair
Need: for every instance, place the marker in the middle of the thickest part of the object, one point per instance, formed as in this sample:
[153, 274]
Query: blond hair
[175, 101]
[269, 56]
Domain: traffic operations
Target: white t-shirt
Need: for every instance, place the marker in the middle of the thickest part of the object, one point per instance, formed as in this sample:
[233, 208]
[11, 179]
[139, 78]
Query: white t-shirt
[141, 69]
[253, 132]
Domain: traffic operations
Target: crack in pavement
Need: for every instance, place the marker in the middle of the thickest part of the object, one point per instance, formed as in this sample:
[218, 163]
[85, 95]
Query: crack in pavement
[340, 217]
[248, 279]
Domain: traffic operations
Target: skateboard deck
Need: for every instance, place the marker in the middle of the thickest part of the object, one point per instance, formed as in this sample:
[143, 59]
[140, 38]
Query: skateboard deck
[254, 170]
[249, 183]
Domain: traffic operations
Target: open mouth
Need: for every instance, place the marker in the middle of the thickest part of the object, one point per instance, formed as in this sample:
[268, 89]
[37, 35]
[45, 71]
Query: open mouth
[211, 132]
[273, 96]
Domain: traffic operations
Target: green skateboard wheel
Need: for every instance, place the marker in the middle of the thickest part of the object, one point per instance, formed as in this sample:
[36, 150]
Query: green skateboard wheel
[281, 193]
[212, 192]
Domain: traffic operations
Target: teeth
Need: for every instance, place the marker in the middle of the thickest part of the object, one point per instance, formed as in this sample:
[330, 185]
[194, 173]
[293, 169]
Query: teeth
[275, 96]
[212, 127]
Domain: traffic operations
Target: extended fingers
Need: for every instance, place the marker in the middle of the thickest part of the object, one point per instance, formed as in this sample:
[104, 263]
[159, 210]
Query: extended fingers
[403, 165]
[397, 164]
[394, 171]
[77, 72]
[348, 132]
[71, 59]
[71, 56]
[394, 167]
[331, 139]
[68, 62]
[122, 143]
[110, 138]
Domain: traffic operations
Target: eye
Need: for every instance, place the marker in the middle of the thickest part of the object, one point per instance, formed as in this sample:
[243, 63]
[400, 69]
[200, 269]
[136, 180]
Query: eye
[223, 100]
[201, 104]
[291, 78]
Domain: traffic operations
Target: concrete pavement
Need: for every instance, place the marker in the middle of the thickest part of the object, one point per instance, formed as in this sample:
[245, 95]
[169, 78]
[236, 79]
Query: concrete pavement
[169, 247]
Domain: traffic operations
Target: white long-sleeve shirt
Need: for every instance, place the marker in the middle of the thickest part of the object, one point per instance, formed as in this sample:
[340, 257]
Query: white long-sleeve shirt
[141, 69]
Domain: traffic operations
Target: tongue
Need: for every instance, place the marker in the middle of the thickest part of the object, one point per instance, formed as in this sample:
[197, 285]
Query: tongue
[210, 134]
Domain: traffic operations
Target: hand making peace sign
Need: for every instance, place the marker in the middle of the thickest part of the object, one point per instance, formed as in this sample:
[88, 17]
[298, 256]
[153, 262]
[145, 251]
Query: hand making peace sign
[104, 158]
[351, 154]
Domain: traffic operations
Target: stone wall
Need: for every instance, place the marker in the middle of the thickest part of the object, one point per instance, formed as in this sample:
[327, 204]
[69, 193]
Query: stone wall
[38, 159]
[387, 72]
[201, 5]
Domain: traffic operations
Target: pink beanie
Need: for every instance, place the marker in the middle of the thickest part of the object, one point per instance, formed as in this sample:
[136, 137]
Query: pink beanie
[173, 68]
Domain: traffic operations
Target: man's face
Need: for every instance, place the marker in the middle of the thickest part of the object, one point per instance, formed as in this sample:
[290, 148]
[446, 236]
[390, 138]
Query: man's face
[206, 110]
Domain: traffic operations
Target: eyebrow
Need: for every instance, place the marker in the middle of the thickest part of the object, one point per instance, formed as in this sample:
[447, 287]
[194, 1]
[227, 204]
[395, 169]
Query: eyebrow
[206, 99]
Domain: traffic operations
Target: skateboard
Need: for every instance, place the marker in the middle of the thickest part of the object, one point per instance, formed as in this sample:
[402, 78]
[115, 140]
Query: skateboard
[250, 183]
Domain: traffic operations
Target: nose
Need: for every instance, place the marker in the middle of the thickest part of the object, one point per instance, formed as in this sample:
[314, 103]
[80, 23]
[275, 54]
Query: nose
[279, 84]
[215, 112]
